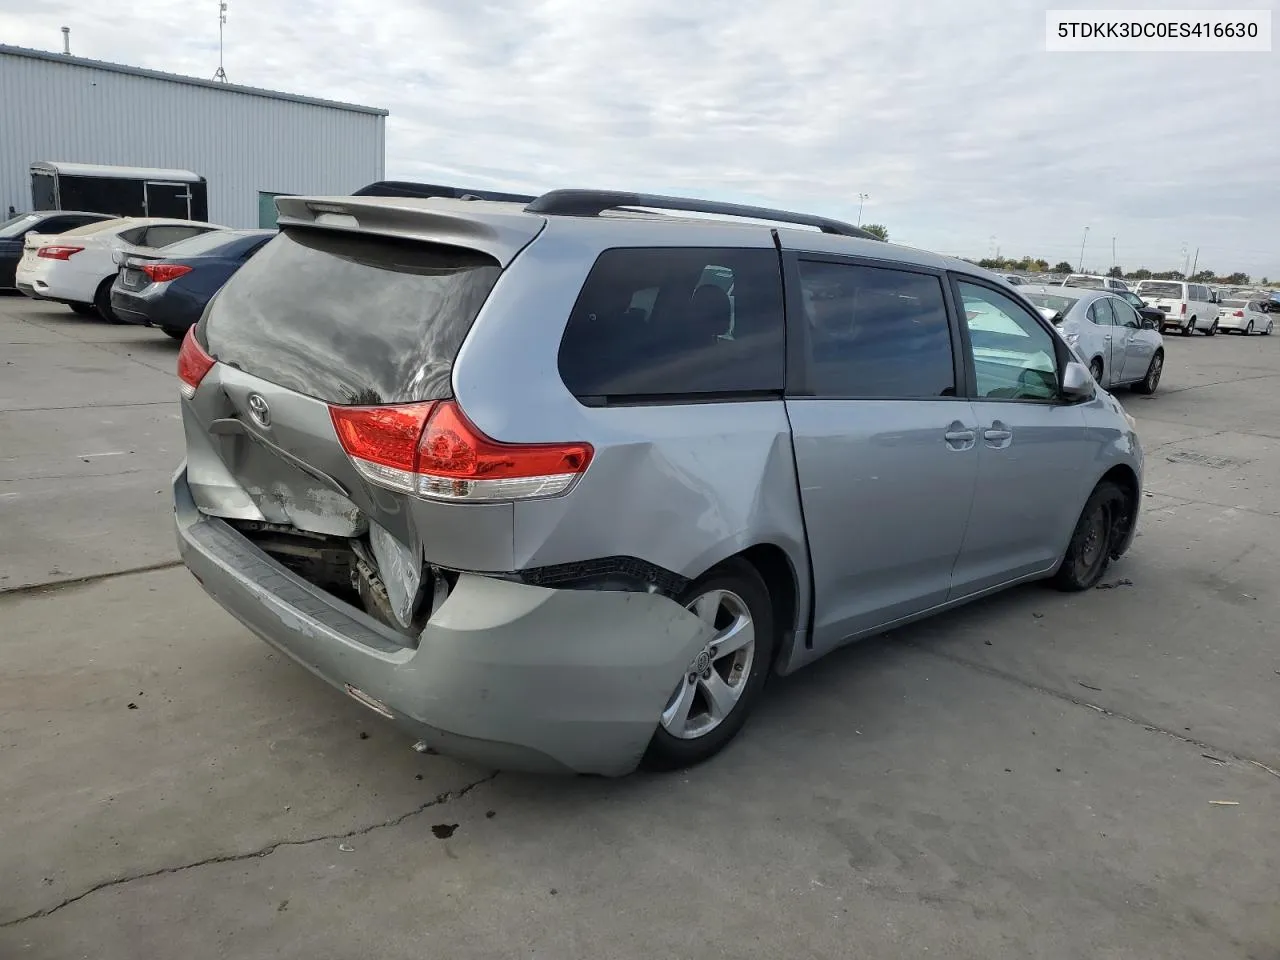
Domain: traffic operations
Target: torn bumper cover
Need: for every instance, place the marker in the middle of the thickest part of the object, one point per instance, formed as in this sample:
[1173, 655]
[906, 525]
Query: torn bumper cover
[504, 674]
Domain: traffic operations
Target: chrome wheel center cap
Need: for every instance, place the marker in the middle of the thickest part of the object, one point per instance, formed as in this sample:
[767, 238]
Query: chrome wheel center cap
[702, 663]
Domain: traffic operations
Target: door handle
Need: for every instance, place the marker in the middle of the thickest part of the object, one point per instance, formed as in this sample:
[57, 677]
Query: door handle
[959, 437]
[997, 435]
[1106, 336]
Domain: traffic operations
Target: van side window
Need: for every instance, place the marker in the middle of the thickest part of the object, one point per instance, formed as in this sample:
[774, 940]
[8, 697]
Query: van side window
[874, 332]
[1014, 357]
[676, 324]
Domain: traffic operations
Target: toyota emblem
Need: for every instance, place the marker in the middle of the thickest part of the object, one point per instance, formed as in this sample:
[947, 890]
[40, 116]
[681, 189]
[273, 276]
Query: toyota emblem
[259, 410]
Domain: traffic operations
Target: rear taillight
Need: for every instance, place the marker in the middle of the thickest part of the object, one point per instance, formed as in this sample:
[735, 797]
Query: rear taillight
[58, 252]
[1184, 309]
[1238, 313]
[193, 364]
[160, 272]
[432, 450]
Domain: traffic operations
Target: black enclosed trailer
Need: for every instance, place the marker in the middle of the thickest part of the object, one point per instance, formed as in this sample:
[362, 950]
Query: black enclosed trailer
[119, 191]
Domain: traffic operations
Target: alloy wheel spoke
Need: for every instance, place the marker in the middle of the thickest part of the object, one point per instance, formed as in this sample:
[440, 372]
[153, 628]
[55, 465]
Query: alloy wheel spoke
[720, 696]
[740, 633]
[707, 606]
[676, 717]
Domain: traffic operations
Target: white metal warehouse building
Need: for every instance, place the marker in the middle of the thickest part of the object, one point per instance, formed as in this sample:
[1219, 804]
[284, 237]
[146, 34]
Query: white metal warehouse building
[250, 145]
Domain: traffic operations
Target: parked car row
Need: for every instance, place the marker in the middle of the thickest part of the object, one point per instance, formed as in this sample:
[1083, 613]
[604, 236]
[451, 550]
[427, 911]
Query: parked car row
[155, 271]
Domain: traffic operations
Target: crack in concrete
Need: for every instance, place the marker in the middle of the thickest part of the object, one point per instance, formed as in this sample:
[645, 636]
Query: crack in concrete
[51, 585]
[1218, 383]
[1081, 702]
[438, 800]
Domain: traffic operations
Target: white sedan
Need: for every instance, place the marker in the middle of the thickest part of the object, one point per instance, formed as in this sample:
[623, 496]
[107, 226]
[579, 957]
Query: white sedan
[1243, 316]
[78, 267]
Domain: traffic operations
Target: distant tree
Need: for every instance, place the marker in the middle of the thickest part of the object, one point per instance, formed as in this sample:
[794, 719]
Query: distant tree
[1142, 273]
[990, 263]
[1265, 282]
[1204, 276]
[1063, 267]
[879, 229]
[1239, 279]
[1041, 265]
[1168, 275]
[1116, 272]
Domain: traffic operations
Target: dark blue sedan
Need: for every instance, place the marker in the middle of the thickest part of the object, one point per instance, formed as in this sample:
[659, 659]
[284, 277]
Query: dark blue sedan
[170, 289]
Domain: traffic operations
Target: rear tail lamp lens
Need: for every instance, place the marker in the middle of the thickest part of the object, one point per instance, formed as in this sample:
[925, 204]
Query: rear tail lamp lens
[161, 272]
[193, 364]
[432, 450]
[58, 252]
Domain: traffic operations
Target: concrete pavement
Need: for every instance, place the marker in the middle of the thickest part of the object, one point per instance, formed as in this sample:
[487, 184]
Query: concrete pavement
[1032, 776]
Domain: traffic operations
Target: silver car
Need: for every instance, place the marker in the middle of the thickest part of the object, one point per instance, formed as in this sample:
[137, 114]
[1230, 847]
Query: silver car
[1120, 347]
[558, 485]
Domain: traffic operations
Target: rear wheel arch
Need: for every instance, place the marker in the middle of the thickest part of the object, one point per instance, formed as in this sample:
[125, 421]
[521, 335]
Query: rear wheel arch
[778, 571]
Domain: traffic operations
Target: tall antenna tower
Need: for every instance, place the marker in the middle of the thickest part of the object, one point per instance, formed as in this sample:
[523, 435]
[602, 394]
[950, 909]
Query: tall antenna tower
[220, 73]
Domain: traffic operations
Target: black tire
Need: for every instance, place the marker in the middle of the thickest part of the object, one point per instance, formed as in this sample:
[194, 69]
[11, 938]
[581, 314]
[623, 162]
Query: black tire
[1266, 331]
[84, 309]
[1151, 381]
[669, 752]
[1190, 327]
[1095, 369]
[1100, 529]
[1248, 330]
[1213, 329]
[174, 332]
[102, 301]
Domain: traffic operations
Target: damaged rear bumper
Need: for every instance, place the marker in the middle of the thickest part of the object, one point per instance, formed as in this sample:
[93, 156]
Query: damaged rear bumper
[504, 674]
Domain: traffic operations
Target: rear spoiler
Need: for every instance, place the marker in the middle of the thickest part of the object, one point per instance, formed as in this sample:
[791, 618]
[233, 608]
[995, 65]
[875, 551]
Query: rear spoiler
[406, 188]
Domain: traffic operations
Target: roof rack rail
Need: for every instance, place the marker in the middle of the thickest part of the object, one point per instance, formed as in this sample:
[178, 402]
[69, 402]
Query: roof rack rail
[591, 203]
[406, 188]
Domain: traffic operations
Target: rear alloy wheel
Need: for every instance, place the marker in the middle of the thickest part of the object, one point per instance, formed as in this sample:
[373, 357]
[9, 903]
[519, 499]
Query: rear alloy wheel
[1095, 369]
[84, 309]
[721, 685]
[1102, 525]
[1248, 330]
[1149, 383]
[102, 301]
[1267, 332]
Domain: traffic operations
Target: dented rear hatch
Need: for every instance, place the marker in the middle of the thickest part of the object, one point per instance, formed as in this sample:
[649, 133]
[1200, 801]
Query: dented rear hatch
[358, 303]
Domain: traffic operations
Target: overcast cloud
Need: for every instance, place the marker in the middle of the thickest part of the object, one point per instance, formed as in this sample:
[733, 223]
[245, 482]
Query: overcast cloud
[956, 122]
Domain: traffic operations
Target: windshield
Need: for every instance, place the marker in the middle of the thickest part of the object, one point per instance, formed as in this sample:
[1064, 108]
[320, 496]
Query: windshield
[1052, 302]
[1087, 283]
[11, 228]
[1157, 288]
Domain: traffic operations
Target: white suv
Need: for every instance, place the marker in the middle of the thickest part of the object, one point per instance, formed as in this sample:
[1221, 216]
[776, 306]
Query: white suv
[1188, 307]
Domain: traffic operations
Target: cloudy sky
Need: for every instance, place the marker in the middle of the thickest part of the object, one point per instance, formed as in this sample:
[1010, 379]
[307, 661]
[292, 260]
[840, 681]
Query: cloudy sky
[957, 124]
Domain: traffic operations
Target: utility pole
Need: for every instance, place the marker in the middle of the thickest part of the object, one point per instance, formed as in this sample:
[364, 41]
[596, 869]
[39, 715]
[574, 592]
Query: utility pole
[862, 198]
[1193, 264]
[1113, 253]
[1083, 241]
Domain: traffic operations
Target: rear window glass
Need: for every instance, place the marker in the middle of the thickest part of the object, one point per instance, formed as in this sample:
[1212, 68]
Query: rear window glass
[1235, 303]
[676, 323]
[214, 243]
[1159, 289]
[351, 318]
[98, 227]
[1050, 302]
[875, 332]
[1086, 283]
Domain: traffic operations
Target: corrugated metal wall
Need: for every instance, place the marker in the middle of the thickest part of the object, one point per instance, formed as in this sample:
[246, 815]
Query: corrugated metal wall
[240, 143]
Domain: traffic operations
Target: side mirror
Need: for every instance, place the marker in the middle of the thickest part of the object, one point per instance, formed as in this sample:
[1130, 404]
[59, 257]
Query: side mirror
[1077, 382]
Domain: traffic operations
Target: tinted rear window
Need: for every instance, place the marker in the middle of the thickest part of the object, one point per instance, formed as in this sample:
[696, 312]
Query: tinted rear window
[351, 318]
[1086, 283]
[676, 323]
[1158, 289]
[214, 243]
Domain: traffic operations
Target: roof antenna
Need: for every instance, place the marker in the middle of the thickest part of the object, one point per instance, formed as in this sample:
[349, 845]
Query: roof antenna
[220, 74]
[66, 41]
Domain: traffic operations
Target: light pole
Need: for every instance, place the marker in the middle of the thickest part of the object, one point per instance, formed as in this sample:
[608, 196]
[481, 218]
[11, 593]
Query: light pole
[1083, 241]
[1113, 252]
[862, 198]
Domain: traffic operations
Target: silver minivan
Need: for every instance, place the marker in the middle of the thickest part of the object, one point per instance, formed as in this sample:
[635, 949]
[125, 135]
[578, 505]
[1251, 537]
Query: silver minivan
[558, 485]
